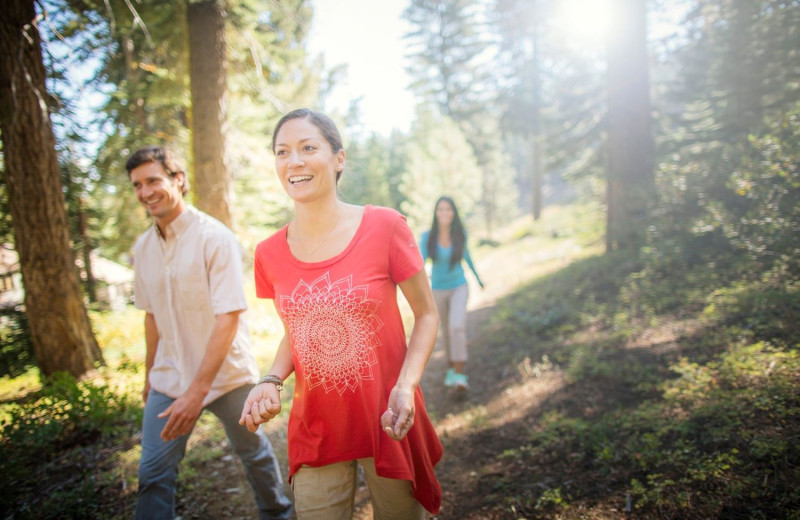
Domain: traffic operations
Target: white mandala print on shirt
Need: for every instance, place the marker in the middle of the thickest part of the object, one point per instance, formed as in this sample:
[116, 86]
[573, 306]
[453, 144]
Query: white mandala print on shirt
[333, 327]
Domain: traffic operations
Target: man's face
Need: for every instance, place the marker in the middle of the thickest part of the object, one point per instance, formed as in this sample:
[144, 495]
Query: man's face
[159, 193]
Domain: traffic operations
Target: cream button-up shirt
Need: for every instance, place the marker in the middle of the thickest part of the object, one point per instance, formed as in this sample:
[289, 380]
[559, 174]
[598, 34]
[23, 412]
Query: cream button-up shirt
[185, 279]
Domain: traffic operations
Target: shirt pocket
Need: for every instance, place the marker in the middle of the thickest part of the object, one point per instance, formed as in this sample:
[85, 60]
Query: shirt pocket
[193, 290]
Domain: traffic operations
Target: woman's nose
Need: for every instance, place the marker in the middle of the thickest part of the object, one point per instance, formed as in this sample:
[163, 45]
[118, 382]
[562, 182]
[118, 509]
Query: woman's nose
[295, 160]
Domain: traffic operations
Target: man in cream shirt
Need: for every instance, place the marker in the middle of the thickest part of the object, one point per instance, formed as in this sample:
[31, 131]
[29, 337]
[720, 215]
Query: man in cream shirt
[189, 282]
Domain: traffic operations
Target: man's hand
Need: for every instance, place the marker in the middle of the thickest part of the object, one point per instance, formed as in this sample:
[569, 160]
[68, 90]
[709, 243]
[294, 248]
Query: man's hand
[182, 413]
[262, 404]
[146, 391]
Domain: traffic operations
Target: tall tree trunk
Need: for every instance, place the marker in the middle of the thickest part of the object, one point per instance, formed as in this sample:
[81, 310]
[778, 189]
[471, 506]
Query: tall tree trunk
[206, 21]
[630, 143]
[61, 333]
[134, 76]
[537, 161]
[537, 175]
[86, 252]
[748, 71]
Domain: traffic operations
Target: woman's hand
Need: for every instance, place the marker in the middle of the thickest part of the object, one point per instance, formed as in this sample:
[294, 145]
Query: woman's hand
[398, 419]
[262, 404]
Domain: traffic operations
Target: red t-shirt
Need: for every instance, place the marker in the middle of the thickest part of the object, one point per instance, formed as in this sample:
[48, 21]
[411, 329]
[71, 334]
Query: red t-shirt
[348, 344]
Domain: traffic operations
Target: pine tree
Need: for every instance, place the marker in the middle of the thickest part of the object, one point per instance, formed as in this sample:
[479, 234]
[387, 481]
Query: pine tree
[740, 74]
[61, 333]
[630, 166]
[450, 49]
[440, 162]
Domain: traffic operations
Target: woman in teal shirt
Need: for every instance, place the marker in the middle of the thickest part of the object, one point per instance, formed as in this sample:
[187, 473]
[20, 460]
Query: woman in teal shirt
[445, 243]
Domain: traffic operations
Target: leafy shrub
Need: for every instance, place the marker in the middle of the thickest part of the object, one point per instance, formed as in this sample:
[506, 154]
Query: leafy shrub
[63, 415]
[763, 310]
[768, 181]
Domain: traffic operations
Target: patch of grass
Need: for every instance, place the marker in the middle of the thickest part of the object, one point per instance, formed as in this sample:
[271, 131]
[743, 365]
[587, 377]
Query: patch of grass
[120, 334]
[17, 388]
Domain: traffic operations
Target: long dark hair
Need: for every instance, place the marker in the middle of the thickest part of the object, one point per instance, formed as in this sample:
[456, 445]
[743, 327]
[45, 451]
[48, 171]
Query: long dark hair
[457, 234]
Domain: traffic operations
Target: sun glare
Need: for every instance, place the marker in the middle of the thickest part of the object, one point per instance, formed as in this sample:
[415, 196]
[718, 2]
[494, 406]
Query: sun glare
[584, 21]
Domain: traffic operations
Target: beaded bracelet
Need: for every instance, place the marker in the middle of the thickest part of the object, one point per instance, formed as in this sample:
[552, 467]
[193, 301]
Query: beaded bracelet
[275, 380]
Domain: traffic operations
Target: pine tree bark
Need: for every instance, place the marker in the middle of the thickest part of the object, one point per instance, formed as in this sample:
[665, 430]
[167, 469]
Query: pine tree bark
[86, 252]
[630, 160]
[61, 332]
[207, 50]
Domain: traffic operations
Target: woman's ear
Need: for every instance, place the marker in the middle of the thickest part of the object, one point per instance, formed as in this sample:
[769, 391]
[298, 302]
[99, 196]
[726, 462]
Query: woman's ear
[341, 156]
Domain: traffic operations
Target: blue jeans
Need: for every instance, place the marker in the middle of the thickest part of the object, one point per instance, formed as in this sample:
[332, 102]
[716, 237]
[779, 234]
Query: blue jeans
[158, 466]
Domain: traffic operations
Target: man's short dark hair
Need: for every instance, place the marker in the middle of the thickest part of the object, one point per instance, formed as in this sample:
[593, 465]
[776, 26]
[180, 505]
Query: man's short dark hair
[160, 154]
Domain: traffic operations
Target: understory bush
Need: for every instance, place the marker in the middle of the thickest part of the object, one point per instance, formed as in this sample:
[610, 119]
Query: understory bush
[64, 416]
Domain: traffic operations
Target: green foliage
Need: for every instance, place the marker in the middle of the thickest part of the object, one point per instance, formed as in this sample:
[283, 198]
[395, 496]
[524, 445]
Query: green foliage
[141, 95]
[761, 310]
[551, 498]
[718, 183]
[16, 352]
[267, 75]
[451, 69]
[370, 174]
[573, 297]
[65, 414]
[440, 162]
[719, 434]
[767, 220]
[446, 66]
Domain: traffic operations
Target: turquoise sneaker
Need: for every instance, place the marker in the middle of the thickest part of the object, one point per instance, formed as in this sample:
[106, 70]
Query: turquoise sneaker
[460, 381]
[449, 378]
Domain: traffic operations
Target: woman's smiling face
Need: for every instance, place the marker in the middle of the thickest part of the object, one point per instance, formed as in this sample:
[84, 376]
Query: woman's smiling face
[305, 162]
[444, 213]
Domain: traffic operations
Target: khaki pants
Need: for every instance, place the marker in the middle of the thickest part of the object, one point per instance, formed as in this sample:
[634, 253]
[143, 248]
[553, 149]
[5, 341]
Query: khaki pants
[452, 307]
[328, 493]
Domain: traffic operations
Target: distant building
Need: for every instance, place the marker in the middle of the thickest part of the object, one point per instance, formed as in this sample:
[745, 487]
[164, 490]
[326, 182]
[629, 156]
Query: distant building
[114, 282]
[11, 292]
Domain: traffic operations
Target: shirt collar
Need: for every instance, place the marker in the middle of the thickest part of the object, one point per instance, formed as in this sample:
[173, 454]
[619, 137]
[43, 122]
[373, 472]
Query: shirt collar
[179, 225]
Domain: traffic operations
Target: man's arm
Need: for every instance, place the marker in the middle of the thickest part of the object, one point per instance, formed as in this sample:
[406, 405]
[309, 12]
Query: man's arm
[151, 343]
[185, 410]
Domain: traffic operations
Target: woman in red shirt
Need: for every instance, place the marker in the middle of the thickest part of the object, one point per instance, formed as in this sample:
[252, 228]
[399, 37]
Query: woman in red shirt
[333, 273]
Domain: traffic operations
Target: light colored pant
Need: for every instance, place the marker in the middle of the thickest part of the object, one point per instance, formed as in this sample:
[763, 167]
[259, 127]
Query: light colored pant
[452, 306]
[158, 467]
[328, 493]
